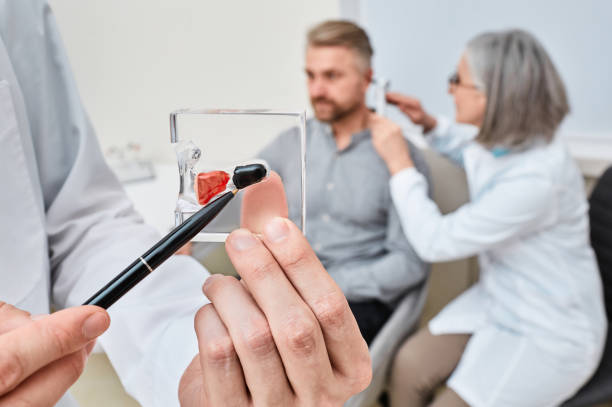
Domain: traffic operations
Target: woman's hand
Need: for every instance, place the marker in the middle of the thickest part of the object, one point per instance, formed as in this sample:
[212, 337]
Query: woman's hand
[389, 142]
[40, 359]
[282, 336]
[412, 108]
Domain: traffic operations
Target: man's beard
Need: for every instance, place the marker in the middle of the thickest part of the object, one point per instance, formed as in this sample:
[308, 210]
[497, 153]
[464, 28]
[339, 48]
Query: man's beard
[335, 112]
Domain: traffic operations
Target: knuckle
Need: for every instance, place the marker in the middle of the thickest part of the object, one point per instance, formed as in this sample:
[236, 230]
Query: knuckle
[12, 368]
[260, 271]
[259, 341]
[297, 258]
[331, 310]
[60, 339]
[220, 351]
[300, 334]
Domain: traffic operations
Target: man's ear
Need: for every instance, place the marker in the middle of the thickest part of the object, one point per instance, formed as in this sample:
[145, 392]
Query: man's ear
[369, 75]
[263, 201]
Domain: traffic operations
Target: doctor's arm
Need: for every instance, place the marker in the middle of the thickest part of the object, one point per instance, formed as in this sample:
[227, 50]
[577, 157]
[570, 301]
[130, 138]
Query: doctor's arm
[513, 206]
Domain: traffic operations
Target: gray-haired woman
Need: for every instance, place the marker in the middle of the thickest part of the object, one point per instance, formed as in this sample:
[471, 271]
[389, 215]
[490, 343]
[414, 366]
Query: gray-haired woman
[531, 331]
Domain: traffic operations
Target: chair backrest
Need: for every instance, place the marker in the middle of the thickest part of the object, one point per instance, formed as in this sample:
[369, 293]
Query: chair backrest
[383, 348]
[600, 216]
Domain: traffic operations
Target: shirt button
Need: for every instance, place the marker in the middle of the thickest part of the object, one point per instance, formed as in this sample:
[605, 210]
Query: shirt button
[326, 218]
[317, 246]
[330, 186]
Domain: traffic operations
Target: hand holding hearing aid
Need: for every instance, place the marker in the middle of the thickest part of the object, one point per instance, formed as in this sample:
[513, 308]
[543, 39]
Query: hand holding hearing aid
[282, 336]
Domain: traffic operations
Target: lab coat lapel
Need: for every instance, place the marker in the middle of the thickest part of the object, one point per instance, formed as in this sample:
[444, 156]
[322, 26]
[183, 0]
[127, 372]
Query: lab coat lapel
[23, 245]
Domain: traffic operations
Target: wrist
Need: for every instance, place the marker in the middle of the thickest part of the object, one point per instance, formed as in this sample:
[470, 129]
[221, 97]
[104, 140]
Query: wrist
[429, 123]
[398, 165]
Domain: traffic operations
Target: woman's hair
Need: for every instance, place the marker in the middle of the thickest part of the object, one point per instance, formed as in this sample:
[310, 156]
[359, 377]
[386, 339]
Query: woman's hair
[526, 98]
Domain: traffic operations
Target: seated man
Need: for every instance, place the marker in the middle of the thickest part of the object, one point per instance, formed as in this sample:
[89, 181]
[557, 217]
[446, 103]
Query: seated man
[352, 224]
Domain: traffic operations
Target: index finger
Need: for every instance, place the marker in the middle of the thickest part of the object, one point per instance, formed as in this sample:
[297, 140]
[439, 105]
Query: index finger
[28, 348]
[347, 350]
[12, 317]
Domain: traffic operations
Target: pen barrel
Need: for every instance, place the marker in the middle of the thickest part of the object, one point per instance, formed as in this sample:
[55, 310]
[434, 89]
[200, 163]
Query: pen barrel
[159, 253]
[186, 231]
[119, 285]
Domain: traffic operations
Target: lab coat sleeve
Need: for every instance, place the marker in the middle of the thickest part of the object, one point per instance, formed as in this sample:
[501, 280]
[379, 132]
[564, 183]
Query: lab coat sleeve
[393, 273]
[94, 233]
[514, 206]
[450, 139]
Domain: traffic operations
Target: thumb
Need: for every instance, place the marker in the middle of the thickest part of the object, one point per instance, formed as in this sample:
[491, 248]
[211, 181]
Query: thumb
[30, 347]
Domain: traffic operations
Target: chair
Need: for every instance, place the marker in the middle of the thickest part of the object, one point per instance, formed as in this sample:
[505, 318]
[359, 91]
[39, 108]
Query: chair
[402, 323]
[450, 191]
[599, 388]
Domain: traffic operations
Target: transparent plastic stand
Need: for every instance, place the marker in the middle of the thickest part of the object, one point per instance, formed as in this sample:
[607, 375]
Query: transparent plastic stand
[220, 139]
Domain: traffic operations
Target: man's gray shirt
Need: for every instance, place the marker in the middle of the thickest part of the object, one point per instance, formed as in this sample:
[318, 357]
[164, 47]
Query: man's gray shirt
[351, 221]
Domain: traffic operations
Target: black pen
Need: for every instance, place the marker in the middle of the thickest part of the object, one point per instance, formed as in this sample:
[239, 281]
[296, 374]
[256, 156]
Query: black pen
[141, 267]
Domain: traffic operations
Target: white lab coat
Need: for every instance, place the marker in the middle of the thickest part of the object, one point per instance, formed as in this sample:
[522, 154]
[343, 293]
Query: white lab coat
[67, 225]
[537, 314]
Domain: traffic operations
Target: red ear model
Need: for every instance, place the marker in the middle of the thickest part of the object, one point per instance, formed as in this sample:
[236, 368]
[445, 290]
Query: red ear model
[209, 184]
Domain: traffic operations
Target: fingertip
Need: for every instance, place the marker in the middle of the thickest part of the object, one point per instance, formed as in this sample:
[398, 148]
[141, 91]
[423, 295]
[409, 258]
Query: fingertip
[276, 229]
[96, 324]
[201, 314]
[240, 240]
[202, 321]
[208, 282]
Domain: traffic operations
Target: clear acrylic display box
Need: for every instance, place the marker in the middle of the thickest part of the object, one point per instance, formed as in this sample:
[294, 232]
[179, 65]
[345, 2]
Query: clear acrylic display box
[219, 139]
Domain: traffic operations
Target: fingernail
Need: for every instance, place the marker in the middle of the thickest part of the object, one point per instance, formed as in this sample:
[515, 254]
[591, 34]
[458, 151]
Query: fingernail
[243, 240]
[276, 230]
[95, 325]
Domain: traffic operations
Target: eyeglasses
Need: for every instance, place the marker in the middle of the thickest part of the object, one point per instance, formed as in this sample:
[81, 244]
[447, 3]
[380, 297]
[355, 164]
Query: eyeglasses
[454, 80]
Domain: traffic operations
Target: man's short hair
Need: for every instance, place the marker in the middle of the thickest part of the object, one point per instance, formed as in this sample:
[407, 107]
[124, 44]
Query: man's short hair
[342, 33]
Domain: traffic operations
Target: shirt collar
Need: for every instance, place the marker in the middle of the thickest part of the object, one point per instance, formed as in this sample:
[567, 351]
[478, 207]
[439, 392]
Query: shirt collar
[356, 138]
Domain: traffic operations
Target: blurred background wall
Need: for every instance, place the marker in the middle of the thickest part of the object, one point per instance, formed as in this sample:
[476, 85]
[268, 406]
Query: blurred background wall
[418, 44]
[137, 60]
